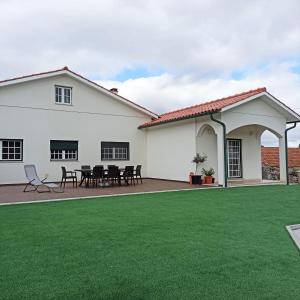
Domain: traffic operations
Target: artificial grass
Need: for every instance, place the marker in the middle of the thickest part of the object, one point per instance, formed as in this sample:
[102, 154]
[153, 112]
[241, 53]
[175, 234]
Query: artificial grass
[204, 244]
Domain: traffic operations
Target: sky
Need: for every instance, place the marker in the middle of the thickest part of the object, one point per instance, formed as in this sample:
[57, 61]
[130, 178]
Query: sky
[162, 54]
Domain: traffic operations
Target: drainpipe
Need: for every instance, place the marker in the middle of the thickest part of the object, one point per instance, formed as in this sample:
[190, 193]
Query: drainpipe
[225, 147]
[287, 152]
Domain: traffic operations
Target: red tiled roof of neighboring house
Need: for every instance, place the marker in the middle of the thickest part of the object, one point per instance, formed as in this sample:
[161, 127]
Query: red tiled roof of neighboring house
[270, 156]
[203, 108]
[78, 75]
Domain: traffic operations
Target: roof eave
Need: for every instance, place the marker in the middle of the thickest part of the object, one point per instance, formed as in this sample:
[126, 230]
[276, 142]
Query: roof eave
[179, 119]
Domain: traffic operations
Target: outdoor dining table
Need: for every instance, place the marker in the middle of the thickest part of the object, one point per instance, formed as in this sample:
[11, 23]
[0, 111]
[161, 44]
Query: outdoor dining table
[86, 173]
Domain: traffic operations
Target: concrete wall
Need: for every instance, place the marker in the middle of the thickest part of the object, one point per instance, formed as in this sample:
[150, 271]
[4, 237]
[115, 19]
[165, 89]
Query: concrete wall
[28, 111]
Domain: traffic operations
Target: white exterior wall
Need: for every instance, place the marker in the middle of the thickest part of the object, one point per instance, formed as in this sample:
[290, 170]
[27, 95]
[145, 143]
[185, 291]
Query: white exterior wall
[28, 111]
[170, 150]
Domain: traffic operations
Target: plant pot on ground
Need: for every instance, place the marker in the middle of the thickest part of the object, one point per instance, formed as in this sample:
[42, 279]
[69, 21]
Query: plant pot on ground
[195, 179]
[199, 159]
[208, 173]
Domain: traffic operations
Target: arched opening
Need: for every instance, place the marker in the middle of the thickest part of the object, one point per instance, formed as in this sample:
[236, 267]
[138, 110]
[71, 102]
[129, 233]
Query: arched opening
[246, 146]
[206, 143]
[270, 159]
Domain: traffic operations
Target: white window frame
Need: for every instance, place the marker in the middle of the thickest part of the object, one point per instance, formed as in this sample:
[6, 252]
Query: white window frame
[63, 95]
[10, 147]
[115, 153]
[234, 158]
[64, 154]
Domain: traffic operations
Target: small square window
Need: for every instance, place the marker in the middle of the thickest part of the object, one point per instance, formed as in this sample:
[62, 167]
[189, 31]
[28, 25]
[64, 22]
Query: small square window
[11, 149]
[63, 95]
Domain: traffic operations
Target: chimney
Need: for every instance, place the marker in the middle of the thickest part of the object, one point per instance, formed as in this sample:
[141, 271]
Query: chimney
[114, 90]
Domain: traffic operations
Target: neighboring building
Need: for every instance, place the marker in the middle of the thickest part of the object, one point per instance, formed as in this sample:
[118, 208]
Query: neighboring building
[61, 118]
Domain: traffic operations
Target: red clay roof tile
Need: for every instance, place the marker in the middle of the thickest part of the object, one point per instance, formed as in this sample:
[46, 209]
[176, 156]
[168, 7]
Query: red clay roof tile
[203, 108]
[270, 156]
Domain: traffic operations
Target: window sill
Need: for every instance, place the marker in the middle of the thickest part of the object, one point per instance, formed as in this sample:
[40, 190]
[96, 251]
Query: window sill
[64, 104]
[54, 160]
[115, 159]
[10, 161]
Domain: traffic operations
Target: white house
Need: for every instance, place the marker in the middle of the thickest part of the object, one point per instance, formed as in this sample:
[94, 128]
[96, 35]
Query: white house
[61, 118]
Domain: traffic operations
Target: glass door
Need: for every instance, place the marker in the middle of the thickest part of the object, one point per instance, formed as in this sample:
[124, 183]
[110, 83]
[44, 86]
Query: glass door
[234, 158]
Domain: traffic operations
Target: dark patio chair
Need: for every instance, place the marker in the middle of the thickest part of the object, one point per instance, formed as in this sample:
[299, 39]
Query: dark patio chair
[137, 173]
[113, 175]
[98, 174]
[85, 175]
[68, 176]
[128, 175]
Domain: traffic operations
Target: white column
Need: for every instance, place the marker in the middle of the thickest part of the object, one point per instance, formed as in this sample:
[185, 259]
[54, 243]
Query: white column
[282, 159]
[220, 146]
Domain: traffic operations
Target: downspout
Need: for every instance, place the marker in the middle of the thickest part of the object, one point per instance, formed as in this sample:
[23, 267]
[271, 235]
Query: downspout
[287, 152]
[225, 147]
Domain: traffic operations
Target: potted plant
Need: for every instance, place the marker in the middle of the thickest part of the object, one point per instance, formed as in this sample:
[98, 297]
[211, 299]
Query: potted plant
[208, 173]
[198, 159]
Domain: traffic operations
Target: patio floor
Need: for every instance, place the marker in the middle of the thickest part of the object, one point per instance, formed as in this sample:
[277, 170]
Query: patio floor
[14, 193]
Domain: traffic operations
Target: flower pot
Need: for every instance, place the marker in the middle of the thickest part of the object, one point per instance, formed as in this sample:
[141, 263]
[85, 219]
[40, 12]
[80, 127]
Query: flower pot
[208, 179]
[196, 179]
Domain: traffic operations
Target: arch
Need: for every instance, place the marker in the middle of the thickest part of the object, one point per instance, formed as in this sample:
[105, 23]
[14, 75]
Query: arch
[206, 143]
[251, 156]
[260, 129]
[206, 128]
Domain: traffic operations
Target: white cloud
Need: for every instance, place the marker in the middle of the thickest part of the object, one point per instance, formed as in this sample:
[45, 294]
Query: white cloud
[167, 92]
[101, 38]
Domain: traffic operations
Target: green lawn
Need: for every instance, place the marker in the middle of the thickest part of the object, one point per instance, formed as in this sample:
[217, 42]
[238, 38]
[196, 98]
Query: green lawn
[201, 244]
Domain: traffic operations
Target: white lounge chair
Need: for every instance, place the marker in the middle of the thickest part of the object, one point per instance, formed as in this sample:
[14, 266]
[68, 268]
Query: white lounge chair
[36, 183]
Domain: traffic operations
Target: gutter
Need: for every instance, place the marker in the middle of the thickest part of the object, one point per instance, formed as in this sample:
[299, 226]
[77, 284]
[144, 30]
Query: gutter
[225, 148]
[287, 151]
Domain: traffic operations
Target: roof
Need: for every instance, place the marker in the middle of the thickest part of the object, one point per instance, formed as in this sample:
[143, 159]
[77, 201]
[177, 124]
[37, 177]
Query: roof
[270, 156]
[66, 70]
[203, 108]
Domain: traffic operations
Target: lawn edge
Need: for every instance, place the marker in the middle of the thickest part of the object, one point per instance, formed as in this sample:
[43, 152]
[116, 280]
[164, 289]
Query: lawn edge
[128, 194]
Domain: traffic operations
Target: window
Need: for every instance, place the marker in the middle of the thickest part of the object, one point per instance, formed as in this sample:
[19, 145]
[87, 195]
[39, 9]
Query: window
[11, 150]
[63, 95]
[64, 150]
[114, 151]
[234, 158]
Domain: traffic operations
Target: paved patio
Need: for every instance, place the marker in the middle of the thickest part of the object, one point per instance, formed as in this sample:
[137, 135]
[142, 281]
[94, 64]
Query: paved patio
[14, 193]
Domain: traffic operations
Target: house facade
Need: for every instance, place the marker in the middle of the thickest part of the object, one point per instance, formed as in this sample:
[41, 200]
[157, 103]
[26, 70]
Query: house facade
[61, 118]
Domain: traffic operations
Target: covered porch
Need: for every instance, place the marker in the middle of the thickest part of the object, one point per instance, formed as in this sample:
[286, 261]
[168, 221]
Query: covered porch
[243, 163]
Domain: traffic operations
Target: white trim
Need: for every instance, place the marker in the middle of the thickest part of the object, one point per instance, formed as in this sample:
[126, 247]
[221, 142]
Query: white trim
[62, 95]
[83, 80]
[290, 229]
[276, 101]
